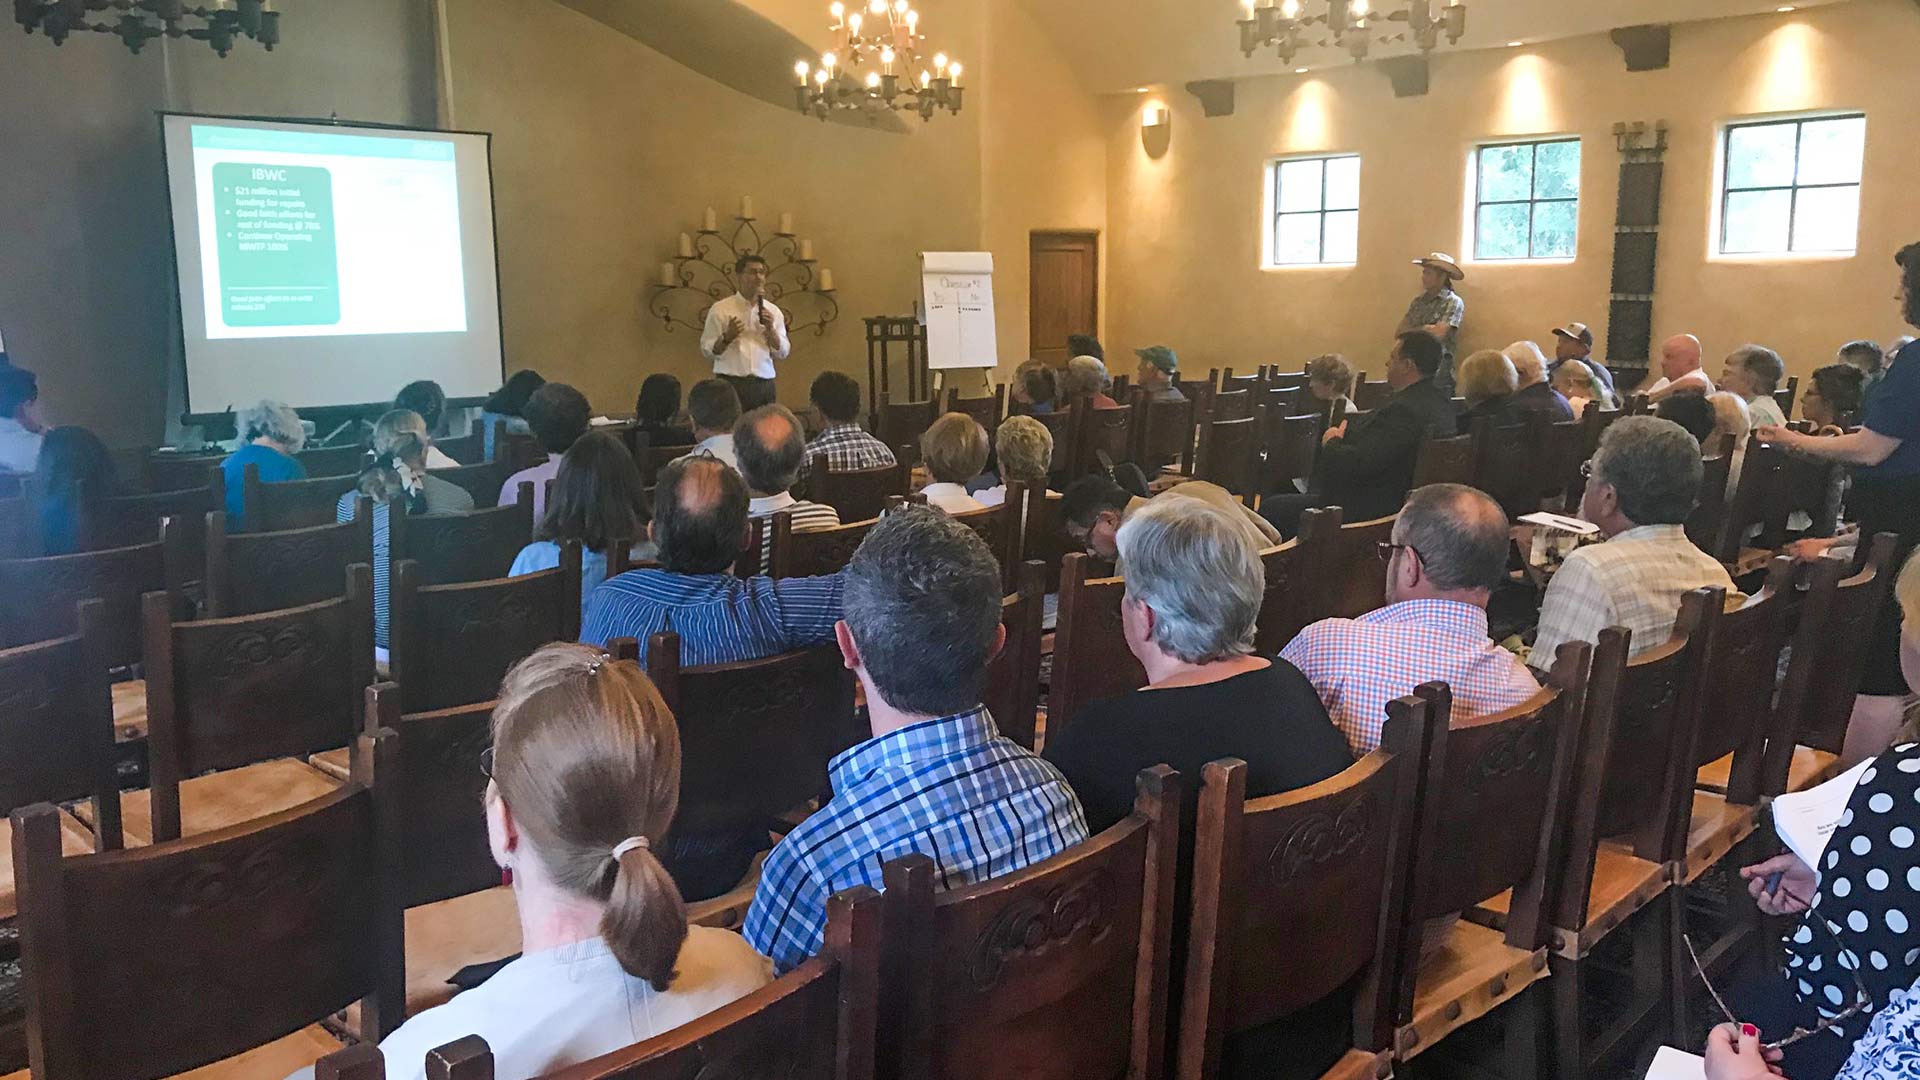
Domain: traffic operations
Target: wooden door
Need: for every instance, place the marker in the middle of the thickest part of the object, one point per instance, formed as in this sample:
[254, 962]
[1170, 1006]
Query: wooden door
[1064, 290]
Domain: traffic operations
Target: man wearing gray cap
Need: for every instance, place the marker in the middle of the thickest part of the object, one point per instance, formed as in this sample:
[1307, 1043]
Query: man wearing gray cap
[1158, 366]
[1575, 342]
[1438, 310]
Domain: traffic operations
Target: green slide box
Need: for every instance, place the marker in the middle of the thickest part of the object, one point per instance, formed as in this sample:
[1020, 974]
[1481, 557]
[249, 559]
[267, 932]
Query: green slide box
[278, 262]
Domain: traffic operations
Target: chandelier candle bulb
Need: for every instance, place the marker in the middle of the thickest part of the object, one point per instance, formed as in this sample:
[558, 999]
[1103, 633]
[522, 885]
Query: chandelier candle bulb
[686, 246]
[666, 270]
[953, 72]
[826, 280]
[806, 251]
[710, 221]
[786, 224]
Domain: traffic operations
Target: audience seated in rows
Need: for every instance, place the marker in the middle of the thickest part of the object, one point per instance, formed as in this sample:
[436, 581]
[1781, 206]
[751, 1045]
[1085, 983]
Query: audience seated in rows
[1330, 384]
[1753, 373]
[508, 405]
[1680, 370]
[1693, 412]
[73, 474]
[585, 777]
[270, 435]
[845, 444]
[1487, 381]
[1576, 381]
[714, 407]
[1644, 481]
[1023, 448]
[954, 449]
[598, 500]
[1535, 393]
[1365, 466]
[398, 476]
[557, 415]
[656, 411]
[1194, 587]
[1158, 370]
[1832, 398]
[1095, 507]
[426, 398]
[1861, 936]
[1574, 341]
[772, 447]
[1033, 388]
[20, 428]
[1866, 357]
[700, 527]
[922, 622]
[1447, 556]
[1086, 377]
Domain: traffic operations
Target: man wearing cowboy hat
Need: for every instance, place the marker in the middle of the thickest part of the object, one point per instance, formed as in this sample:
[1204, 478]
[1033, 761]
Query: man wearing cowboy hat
[1574, 341]
[1438, 310]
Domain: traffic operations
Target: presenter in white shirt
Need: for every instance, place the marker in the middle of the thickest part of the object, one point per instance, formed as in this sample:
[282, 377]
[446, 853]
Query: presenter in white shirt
[746, 334]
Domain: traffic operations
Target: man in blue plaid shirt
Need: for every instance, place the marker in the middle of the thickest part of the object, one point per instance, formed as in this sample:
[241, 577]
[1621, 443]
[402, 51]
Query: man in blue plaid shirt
[846, 444]
[922, 618]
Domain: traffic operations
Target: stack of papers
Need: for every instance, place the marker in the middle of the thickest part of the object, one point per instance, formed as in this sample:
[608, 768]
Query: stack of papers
[1805, 820]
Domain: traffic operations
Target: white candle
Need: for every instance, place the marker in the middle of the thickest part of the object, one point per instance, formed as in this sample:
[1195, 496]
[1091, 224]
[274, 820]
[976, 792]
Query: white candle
[666, 274]
[686, 246]
[746, 206]
[826, 281]
[711, 221]
[806, 249]
[786, 224]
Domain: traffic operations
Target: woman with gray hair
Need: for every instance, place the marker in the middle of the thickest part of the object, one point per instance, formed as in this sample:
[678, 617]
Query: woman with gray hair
[1194, 587]
[1086, 376]
[1024, 448]
[270, 434]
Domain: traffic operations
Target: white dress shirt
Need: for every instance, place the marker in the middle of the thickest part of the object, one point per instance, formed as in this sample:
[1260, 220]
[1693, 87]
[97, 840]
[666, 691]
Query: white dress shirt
[716, 446]
[19, 448]
[757, 347]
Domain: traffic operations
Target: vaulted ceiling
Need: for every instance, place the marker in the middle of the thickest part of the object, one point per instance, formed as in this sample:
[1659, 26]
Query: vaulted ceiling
[1118, 45]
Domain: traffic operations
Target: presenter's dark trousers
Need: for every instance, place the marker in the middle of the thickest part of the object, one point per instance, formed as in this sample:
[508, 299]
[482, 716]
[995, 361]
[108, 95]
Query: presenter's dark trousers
[754, 392]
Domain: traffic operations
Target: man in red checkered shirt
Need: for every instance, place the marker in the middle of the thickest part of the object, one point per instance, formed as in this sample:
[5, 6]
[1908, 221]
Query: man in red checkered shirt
[1448, 554]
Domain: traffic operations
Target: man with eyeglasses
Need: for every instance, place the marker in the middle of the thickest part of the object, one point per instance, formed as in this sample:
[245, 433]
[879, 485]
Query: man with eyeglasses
[1448, 554]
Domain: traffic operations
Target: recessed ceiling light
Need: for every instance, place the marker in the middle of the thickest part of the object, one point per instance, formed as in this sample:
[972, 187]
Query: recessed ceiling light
[1139, 89]
[1515, 44]
[1299, 71]
[1785, 9]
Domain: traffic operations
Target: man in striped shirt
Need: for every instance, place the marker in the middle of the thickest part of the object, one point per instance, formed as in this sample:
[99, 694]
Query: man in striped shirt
[847, 446]
[922, 621]
[700, 525]
[770, 445]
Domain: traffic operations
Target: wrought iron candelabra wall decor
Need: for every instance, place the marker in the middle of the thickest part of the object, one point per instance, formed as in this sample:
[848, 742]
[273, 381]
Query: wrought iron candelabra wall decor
[702, 273]
[1348, 24]
[137, 22]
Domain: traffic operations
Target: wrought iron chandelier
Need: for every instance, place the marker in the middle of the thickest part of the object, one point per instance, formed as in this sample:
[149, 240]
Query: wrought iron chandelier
[137, 22]
[879, 63]
[1348, 24]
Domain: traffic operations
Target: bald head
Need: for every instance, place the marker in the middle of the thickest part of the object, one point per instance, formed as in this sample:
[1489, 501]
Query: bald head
[1461, 539]
[1679, 355]
[699, 516]
[771, 448]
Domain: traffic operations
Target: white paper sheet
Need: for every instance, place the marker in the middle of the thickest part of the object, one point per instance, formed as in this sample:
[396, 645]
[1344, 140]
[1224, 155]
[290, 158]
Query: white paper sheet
[1805, 820]
[1671, 1064]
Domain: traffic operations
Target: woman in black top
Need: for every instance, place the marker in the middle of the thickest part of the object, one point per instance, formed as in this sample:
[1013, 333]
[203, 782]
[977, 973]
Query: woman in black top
[1194, 585]
[657, 412]
[73, 474]
[1488, 381]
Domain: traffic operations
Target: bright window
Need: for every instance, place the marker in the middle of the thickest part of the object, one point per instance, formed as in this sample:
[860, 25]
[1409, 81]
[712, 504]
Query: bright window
[1792, 186]
[1316, 211]
[1526, 200]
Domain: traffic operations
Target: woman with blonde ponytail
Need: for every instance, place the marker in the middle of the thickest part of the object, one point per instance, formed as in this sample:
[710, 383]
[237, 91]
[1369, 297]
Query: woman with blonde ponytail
[585, 769]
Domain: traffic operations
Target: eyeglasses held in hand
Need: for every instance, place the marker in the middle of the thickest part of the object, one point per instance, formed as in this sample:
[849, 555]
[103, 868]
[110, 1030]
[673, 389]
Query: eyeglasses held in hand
[1862, 998]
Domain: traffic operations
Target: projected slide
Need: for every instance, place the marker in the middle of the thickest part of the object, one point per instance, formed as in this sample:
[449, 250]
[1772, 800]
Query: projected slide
[319, 234]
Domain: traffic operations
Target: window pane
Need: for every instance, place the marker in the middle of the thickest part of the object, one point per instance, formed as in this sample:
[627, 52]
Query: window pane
[1553, 229]
[1556, 171]
[1830, 152]
[1501, 232]
[1827, 219]
[1343, 183]
[1297, 240]
[1506, 172]
[1756, 221]
[1343, 237]
[1760, 156]
[1299, 185]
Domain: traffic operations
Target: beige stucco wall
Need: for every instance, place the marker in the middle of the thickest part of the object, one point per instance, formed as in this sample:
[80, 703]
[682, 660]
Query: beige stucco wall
[1186, 225]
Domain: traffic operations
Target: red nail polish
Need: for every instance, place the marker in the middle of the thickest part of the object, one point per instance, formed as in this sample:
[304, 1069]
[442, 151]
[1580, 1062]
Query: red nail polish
[1750, 1031]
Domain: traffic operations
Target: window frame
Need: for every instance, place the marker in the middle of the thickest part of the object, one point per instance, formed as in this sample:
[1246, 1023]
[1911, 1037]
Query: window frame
[1724, 175]
[1475, 202]
[1270, 240]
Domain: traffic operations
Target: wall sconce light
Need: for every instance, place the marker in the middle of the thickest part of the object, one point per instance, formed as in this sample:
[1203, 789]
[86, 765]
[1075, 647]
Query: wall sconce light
[1154, 116]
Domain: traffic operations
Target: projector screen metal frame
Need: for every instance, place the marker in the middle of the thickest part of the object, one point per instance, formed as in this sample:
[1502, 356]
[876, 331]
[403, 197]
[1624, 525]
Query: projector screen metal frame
[342, 409]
